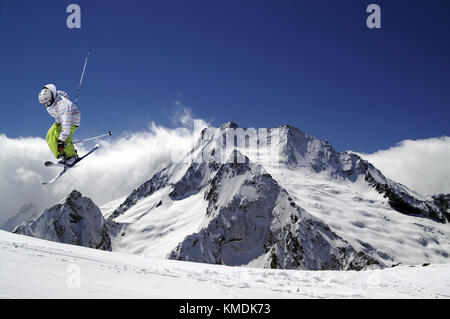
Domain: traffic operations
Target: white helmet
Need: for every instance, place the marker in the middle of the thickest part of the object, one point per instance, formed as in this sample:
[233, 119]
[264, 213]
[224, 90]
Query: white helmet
[47, 95]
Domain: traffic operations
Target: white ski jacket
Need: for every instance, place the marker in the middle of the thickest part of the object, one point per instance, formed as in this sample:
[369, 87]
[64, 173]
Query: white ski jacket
[64, 111]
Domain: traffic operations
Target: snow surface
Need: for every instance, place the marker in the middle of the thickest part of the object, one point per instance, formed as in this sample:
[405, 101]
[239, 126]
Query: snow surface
[109, 207]
[354, 209]
[156, 224]
[362, 216]
[35, 268]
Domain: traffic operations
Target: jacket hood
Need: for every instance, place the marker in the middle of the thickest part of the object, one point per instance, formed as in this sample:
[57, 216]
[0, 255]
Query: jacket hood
[52, 88]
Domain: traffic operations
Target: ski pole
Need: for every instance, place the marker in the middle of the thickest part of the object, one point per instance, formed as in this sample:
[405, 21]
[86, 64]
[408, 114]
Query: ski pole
[91, 138]
[81, 79]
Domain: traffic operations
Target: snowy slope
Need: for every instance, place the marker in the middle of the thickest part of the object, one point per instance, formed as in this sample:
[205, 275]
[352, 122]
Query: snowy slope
[35, 268]
[158, 232]
[364, 218]
[328, 185]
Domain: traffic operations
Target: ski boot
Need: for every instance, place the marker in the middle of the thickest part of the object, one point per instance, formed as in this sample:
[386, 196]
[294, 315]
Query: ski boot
[62, 159]
[71, 160]
[67, 161]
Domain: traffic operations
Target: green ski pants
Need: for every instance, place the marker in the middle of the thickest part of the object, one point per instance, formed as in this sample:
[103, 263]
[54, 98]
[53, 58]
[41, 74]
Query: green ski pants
[52, 140]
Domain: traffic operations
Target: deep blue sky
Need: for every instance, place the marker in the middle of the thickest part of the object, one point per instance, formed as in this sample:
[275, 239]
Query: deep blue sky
[312, 64]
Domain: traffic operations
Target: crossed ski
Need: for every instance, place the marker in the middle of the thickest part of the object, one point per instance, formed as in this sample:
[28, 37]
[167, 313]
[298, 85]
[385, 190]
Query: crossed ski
[66, 167]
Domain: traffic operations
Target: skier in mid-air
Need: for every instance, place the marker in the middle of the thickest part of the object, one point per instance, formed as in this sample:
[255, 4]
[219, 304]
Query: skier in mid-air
[67, 119]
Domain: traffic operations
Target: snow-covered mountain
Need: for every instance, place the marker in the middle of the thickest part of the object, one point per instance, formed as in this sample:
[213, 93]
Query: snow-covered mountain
[76, 220]
[275, 198]
[288, 200]
[299, 150]
[26, 213]
[252, 220]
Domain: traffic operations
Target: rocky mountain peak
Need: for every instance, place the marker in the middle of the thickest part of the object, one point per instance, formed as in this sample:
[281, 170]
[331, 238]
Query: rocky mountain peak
[230, 124]
[26, 213]
[75, 220]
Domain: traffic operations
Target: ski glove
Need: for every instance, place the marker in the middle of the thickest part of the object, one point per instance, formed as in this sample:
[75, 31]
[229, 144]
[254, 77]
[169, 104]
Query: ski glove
[61, 146]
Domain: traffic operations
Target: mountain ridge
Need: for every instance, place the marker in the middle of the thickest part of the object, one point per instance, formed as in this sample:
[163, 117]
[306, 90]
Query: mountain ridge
[195, 176]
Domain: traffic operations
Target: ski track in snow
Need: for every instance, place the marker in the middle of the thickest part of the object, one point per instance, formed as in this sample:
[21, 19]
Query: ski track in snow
[34, 268]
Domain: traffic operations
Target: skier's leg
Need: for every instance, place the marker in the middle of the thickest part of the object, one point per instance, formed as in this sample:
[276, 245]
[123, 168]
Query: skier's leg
[69, 150]
[52, 138]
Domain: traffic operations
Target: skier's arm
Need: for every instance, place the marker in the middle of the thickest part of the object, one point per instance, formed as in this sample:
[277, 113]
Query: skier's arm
[66, 123]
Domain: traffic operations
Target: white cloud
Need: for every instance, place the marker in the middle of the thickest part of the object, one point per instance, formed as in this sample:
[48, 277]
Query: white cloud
[120, 165]
[182, 114]
[421, 165]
